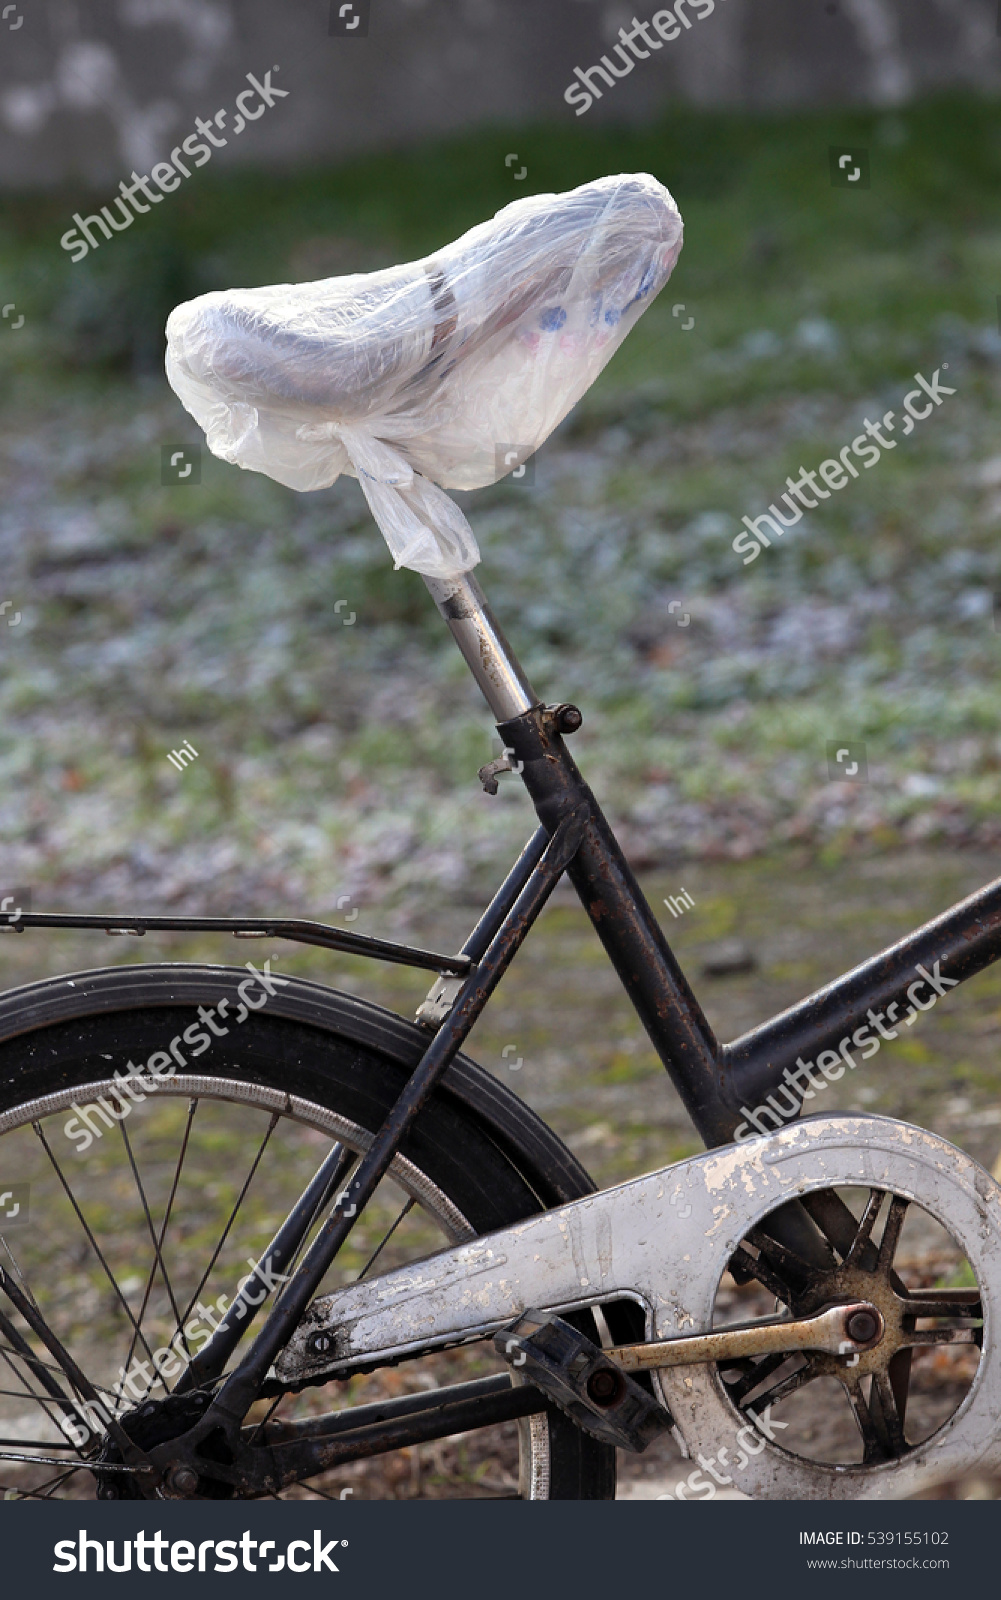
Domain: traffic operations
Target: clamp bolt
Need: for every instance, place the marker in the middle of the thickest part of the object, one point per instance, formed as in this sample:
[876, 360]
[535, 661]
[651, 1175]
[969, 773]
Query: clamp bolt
[567, 718]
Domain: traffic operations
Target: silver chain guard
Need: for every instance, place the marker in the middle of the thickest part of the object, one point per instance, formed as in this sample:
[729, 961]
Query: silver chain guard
[664, 1240]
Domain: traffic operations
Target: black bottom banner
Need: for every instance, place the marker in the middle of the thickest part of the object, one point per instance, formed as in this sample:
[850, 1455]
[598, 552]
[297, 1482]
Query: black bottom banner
[457, 1548]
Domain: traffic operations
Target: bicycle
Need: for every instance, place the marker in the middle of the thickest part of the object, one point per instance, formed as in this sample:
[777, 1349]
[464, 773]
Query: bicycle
[602, 1319]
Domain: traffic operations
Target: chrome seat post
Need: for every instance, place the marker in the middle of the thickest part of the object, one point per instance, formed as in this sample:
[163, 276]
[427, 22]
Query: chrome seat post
[488, 655]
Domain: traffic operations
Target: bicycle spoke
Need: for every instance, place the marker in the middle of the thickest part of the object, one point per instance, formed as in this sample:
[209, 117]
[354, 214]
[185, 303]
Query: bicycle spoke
[90, 1236]
[41, 1370]
[232, 1216]
[385, 1240]
[315, 1489]
[35, 1494]
[17, 1270]
[273, 1407]
[157, 1258]
[36, 1444]
[18, 1394]
[26, 1391]
[20, 1347]
[56, 1396]
[49, 1366]
[41, 1329]
[158, 1245]
[57, 1483]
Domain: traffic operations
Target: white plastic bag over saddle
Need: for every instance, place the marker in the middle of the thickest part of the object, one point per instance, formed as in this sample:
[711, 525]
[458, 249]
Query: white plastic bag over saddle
[448, 371]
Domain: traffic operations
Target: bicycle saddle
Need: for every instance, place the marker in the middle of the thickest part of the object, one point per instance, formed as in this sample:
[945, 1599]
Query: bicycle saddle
[434, 372]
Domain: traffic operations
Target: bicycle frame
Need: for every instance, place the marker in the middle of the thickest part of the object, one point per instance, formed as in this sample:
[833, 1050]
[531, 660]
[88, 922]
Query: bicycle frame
[713, 1080]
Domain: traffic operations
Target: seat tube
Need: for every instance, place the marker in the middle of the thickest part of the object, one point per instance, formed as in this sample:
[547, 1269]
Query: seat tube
[624, 922]
[626, 926]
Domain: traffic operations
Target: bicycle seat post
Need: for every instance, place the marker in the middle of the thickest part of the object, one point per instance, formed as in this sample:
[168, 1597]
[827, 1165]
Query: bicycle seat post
[488, 655]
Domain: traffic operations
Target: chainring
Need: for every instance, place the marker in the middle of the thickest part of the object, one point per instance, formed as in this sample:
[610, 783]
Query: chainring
[909, 1165]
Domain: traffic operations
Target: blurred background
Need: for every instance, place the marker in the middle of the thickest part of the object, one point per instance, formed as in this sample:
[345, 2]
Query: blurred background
[337, 735]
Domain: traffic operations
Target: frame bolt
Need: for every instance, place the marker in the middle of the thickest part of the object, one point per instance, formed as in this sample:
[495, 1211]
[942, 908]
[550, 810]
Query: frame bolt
[567, 718]
[182, 1480]
[320, 1343]
[862, 1326]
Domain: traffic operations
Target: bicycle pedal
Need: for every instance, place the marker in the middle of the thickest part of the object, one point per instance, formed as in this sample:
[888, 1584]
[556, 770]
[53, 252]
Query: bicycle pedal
[579, 1378]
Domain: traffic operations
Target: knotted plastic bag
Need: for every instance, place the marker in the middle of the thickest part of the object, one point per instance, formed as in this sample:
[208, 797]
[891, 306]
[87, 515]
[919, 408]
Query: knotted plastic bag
[440, 374]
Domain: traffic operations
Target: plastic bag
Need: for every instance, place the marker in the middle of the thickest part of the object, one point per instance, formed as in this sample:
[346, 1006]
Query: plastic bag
[444, 372]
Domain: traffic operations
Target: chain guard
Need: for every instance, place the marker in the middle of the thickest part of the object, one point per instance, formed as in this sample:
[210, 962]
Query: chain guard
[664, 1240]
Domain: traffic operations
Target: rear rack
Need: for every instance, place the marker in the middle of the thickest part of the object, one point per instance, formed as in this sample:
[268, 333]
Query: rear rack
[298, 929]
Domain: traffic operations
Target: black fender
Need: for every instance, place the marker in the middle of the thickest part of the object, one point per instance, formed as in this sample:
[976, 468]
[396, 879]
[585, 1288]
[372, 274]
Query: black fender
[38, 1019]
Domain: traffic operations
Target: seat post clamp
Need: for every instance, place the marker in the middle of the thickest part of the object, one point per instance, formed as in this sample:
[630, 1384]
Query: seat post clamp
[564, 718]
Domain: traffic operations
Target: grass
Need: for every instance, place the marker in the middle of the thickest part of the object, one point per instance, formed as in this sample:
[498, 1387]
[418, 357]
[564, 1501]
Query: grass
[340, 760]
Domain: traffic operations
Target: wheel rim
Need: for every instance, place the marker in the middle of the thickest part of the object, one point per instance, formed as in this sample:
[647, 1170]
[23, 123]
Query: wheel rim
[151, 1303]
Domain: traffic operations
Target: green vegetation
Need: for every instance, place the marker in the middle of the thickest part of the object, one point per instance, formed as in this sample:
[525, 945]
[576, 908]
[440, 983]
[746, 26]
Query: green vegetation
[341, 759]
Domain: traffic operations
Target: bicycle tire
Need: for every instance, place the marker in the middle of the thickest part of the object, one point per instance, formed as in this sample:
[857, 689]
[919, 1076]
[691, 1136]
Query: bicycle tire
[475, 1143]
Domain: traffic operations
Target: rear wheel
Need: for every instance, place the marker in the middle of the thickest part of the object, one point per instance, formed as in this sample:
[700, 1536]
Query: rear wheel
[128, 1220]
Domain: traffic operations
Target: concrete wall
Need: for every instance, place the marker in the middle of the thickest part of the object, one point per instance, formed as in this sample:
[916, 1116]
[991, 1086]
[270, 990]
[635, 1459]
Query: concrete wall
[92, 88]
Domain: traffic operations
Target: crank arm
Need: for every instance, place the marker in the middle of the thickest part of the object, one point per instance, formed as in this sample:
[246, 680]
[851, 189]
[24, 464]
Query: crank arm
[835, 1331]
